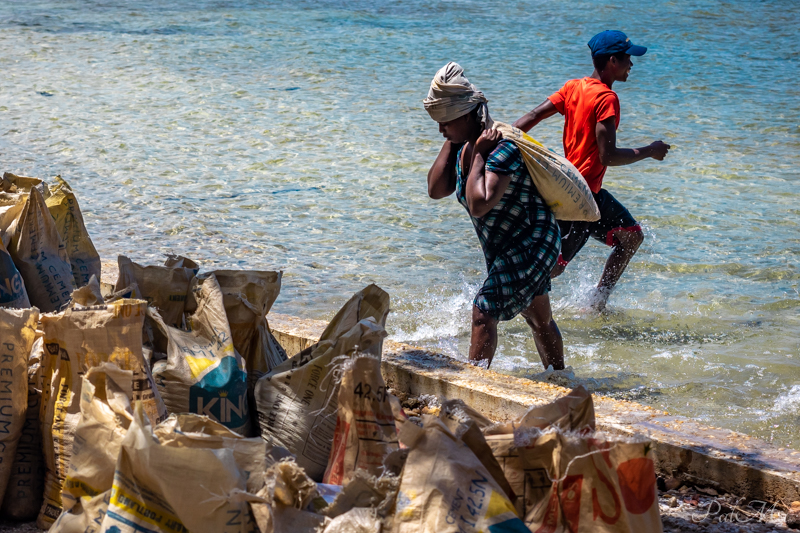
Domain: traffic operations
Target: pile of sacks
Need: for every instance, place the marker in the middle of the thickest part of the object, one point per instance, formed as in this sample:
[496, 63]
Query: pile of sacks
[164, 404]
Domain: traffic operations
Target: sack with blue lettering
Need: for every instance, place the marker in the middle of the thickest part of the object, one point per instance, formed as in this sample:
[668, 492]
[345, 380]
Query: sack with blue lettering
[202, 372]
[12, 288]
[41, 256]
[83, 256]
[445, 488]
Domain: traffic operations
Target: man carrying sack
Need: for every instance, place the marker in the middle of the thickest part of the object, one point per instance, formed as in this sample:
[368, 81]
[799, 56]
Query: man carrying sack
[515, 226]
[592, 114]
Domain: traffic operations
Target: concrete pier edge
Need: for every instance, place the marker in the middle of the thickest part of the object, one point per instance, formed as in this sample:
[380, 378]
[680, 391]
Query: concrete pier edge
[725, 460]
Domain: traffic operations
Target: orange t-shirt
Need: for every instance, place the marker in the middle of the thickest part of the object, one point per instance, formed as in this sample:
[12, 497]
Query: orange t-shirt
[584, 103]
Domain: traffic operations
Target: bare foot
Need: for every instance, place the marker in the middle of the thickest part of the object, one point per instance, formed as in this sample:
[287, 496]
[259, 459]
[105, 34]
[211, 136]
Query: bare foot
[557, 270]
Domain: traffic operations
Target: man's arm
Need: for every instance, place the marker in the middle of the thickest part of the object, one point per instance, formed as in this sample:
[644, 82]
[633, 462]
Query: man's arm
[484, 189]
[442, 175]
[544, 110]
[611, 156]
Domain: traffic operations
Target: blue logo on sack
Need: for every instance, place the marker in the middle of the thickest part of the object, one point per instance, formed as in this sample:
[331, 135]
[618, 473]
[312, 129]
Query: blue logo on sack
[222, 395]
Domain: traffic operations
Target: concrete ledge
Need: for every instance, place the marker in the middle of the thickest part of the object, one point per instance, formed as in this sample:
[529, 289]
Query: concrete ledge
[707, 456]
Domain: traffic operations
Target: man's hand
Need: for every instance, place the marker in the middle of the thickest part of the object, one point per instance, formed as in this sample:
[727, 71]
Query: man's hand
[487, 142]
[659, 150]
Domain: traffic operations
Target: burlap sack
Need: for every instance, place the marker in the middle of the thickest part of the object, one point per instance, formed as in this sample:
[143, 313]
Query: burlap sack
[203, 373]
[106, 414]
[41, 256]
[445, 488]
[83, 256]
[170, 488]
[25, 488]
[17, 333]
[164, 287]
[297, 400]
[75, 341]
[365, 431]
[588, 483]
[12, 287]
[559, 183]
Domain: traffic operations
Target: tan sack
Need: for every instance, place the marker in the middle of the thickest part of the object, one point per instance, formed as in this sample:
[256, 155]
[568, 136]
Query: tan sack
[41, 256]
[88, 295]
[170, 488]
[559, 183]
[248, 296]
[365, 430]
[357, 520]
[164, 287]
[588, 483]
[106, 414]
[573, 412]
[445, 488]
[297, 400]
[23, 184]
[23, 497]
[12, 288]
[75, 341]
[366, 490]
[203, 373]
[465, 424]
[11, 206]
[83, 256]
[17, 334]
[288, 501]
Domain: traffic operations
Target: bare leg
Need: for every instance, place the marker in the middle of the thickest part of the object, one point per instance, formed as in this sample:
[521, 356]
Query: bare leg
[484, 337]
[548, 339]
[621, 254]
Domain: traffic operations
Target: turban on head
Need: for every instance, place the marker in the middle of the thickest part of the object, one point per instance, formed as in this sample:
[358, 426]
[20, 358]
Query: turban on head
[452, 96]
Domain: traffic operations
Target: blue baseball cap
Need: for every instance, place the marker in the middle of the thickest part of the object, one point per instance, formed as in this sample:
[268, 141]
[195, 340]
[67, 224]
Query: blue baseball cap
[612, 42]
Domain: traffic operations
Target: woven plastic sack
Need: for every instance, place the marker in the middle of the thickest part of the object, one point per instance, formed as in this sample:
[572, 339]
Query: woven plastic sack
[41, 256]
[558, 181]
[83, 256]
[17, 334]
[297, 400]
[203, 373]
[12, 287]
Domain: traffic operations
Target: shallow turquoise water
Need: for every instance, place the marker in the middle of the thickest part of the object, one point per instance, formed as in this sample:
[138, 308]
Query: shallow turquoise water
[292, 136]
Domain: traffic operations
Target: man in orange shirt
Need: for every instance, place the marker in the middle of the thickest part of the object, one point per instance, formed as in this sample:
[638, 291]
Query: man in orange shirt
[591, 111]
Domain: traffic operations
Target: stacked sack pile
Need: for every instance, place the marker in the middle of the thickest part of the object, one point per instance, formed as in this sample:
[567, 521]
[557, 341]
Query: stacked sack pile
[164, 404]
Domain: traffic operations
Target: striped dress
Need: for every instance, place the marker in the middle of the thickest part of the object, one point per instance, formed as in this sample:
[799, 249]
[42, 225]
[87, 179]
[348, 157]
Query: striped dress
[519, 237]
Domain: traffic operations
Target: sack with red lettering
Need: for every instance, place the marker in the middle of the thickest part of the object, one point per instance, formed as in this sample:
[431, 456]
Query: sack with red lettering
[41, 256]
[581, 483]
[445, 488]
[365, 431]
[297, 400]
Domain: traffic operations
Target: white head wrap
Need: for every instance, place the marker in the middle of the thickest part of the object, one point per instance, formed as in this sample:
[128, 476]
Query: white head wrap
[452, 95]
